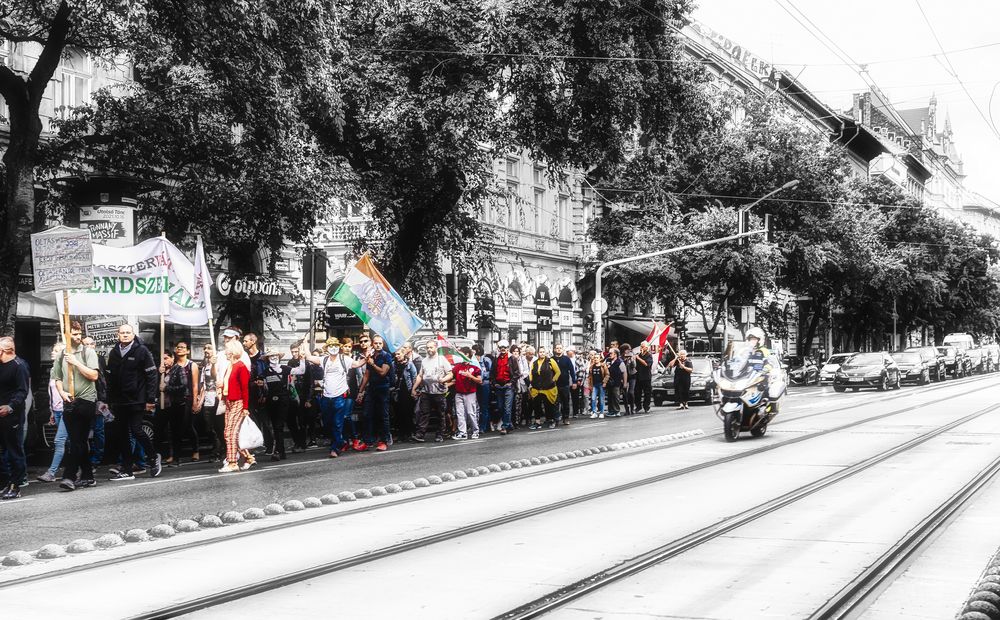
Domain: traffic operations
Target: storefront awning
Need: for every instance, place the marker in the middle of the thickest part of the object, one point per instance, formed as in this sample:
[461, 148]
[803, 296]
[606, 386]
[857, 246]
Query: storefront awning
[32, 306]
[639, 326]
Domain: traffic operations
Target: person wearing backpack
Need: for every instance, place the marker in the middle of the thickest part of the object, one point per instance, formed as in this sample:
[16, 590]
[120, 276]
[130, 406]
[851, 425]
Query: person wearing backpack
[376, 385]
[543, 376]
[334, 404]
[79, 394]
[181, 389]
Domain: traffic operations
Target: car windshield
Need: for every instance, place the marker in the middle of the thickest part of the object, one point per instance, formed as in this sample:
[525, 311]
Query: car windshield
[702, 366]
[906, 358]
[866, 359]
[838, 358]
[946, 350]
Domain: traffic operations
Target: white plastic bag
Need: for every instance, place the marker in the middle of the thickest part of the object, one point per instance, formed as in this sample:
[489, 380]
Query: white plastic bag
[250, 436]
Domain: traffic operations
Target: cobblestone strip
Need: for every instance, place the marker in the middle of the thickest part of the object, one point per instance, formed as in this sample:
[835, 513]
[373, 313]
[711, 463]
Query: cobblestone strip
[232, 517]
[984, 602]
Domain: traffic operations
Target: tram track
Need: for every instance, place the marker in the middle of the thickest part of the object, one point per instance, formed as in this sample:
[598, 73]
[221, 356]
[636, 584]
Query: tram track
[540, 510]
[842, 604]
[865, 587]
[290, 578]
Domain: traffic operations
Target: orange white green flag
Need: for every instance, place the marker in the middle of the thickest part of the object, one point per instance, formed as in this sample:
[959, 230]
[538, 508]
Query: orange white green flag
[367, 293]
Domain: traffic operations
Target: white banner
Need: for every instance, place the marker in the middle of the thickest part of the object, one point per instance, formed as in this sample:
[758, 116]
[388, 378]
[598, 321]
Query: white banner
[147, 279]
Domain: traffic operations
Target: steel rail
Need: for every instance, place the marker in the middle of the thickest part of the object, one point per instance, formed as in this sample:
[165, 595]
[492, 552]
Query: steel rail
[583, 587]
[232, 594]
[487, 483]
[856, 594]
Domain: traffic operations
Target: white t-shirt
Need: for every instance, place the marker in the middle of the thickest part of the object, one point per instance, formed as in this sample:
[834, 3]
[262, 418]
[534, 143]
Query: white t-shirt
[335, 369]
[433, 370]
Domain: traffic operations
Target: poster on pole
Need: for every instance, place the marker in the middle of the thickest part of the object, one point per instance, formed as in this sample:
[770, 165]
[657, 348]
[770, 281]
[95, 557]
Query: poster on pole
[104, 330]
[62, 258]
[112, 225]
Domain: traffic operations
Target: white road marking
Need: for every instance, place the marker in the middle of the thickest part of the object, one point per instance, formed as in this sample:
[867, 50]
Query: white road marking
[161, 480]
[14, 501]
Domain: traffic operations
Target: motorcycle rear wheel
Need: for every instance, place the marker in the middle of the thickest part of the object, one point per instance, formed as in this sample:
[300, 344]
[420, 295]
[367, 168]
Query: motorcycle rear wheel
[731, 425]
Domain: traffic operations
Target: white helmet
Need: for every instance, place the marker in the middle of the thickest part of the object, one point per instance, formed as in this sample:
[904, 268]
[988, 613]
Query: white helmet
[756, 332]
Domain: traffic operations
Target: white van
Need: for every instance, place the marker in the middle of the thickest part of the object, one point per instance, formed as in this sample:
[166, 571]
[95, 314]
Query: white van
[959, 340]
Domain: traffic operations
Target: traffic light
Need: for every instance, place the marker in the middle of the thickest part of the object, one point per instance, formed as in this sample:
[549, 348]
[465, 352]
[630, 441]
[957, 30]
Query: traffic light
[680, 326]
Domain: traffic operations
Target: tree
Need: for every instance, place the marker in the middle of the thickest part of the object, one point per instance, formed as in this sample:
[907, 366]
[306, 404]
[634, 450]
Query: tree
[435, 92]
[96, 27]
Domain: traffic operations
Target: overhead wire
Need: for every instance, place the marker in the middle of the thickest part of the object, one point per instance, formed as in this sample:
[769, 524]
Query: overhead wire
[954, 73]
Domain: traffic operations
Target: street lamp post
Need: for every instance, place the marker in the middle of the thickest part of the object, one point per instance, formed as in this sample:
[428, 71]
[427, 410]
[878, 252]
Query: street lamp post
[600, 306]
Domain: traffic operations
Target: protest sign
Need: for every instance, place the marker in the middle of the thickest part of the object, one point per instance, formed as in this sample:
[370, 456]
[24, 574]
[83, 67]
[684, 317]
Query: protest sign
[61, 258]
[104, 331]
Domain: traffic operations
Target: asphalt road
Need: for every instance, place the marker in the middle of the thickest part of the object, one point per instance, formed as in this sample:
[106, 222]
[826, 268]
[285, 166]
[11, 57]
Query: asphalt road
[45, 514]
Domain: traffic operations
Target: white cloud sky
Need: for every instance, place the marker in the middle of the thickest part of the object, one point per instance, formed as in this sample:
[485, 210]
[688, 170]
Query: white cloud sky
[876, 31]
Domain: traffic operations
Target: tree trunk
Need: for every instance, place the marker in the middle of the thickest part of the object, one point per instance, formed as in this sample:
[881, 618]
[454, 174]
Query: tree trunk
[18, 216]
[813, 327]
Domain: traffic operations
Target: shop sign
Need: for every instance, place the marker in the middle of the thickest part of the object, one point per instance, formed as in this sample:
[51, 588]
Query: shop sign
[25, 283]
[244, 286]
[543, 319]
[737, 53]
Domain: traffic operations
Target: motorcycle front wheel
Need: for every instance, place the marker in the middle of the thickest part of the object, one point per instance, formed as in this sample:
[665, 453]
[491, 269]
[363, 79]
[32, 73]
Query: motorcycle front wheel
[731, 425]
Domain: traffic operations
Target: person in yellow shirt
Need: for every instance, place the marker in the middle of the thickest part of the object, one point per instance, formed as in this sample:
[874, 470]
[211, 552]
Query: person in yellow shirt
[542, 376]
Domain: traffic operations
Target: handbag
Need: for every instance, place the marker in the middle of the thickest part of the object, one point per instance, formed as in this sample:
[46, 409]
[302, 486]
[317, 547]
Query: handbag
[250, 436]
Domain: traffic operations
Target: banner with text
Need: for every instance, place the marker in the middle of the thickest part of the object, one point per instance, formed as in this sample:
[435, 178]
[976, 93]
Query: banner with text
[147, 279]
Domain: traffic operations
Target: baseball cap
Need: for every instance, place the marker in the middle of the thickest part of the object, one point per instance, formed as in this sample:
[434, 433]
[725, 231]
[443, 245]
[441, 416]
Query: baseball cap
[503, 344]
[230, 333]
[273, 353]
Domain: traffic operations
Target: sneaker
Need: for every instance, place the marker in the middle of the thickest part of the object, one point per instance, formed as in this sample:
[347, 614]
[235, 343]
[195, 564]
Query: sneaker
[67, 484]
[504, 431]
[381, 446]
[600, 416]
[345, 447]
[122, 475]
[593, 416]
[312, 444]
[245, 466]
[333, 454]
[11, 492]
[275, 457]
[475, 436]
[157, 467]
[229, 468]
[565, 422]
[438, 439]
[459, 436]
[552, 424]
[419, 438]
[46, 477]
[83, 484]
[360, 446]
[297, 450]
[114, 470]
[138, 471]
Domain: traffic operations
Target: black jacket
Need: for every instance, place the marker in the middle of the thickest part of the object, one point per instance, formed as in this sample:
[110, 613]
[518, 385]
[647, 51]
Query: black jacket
[132, 379]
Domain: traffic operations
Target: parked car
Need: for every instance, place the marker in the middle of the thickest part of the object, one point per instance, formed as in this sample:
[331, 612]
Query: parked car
[875, 370]
[702, 384]
[935, 358]
[956, 362]
[832, 365]
[960, 340]
[802, 370]
[977, 360]
[913, 367]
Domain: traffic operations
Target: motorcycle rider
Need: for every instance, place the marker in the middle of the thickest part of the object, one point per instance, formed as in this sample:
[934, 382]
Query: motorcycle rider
[762, 360]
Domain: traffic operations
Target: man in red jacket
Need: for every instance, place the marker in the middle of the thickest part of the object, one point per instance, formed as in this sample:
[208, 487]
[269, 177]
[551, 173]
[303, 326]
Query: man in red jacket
[468, 378]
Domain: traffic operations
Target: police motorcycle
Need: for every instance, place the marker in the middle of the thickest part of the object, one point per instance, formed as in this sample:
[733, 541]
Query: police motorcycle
[749, 394]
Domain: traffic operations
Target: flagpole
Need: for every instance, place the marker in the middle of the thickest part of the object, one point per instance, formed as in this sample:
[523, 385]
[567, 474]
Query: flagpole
[67, 340]
[163, 336]
[205, 285]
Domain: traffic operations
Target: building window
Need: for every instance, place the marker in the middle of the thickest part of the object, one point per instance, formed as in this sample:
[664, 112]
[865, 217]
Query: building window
[512, 168]
[539, 198]
[75, 92]
[538, 176]
[565, 221]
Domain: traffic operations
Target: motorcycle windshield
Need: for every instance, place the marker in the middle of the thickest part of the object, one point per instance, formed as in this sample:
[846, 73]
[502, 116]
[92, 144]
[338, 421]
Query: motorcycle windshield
[738, 364]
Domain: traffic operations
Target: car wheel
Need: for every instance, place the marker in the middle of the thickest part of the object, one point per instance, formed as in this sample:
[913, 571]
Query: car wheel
[658, 402]
[708, 396]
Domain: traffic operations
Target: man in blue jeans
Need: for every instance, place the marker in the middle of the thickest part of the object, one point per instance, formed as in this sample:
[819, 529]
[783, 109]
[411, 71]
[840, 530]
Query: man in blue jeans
[335, 401]
[375, 390]
[504, 374]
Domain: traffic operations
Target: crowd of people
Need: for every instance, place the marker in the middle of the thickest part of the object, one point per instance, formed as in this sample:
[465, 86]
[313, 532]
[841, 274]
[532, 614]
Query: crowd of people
[346, 396]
